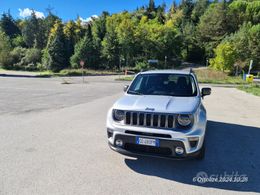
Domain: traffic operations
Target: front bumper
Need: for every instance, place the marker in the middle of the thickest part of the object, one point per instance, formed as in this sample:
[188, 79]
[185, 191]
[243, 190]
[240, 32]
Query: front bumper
[165, 150]
[169, 138]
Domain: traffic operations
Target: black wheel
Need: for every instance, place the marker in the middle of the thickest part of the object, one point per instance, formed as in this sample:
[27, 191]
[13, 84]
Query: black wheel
[201, 154]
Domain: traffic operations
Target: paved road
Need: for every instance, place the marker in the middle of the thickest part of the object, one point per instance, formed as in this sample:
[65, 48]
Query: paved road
[53, 141]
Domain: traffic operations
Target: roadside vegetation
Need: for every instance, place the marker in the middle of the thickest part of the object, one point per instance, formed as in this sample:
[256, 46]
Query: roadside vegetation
[79, 72]
[222, 34]
[217, 77]
[253, 89]
[207, 75]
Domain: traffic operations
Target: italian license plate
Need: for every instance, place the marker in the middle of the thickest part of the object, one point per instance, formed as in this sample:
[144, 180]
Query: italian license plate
[147, 141]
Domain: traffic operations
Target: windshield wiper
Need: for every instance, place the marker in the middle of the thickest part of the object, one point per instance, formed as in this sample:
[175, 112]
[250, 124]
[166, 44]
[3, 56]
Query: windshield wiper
[135, 92]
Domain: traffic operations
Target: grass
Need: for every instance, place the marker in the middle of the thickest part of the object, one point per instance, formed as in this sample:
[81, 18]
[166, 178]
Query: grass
[72, 72]
[78, 72]
[217, 77]
[68, 72]
[86, 72]
[125, 78]
[207, 76]
[252, 88]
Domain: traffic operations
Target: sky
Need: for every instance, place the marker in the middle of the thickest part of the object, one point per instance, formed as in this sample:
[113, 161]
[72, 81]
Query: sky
[70, 9]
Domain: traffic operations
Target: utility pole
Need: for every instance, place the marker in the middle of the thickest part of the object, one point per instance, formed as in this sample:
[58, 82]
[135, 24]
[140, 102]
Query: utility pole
[250, 66]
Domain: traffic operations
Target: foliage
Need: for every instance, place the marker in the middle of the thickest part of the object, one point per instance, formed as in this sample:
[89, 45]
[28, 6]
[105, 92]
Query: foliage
[110, 44]
[245, 47]
[225, 57]
[8, 25]
[214, 26]
[85, 51]
[5, 48]
[216, 77]
[33, 32]
[55, 57]
[227, 32]
[86, 72]
[142, 66]
[206, 76]
[25, 59]
[253, 89]
[18, 41]
[199, 9]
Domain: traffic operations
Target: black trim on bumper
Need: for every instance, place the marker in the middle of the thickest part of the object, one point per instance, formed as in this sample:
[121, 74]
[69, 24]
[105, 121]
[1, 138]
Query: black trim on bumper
[166, 149]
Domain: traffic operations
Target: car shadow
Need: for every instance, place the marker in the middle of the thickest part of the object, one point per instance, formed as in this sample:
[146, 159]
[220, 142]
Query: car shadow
[230, 149]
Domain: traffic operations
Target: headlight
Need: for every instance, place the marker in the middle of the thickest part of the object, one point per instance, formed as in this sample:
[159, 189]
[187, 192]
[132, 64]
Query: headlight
[118, 115]
[184, 120]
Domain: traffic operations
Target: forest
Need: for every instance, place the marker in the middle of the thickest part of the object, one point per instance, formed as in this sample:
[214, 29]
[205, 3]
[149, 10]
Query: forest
[220, 34]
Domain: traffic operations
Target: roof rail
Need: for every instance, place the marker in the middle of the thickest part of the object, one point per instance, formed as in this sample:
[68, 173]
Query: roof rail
[191, 70]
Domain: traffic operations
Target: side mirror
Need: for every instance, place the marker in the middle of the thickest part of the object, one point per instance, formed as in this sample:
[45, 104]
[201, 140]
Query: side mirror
[205, 91]
[126, 87]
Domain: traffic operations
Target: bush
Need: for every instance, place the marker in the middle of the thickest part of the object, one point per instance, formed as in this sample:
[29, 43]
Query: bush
[32, 56]
[142, 66]
[17, 55]
[225, 57]
[25, 59]
[18, 41]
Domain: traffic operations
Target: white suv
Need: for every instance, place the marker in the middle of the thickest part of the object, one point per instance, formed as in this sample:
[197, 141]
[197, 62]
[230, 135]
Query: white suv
[161, 114]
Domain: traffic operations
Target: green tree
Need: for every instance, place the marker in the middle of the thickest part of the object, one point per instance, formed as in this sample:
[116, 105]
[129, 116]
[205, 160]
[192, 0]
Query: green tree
[79, 30]
[214, 25]
[225, 57]
[240, 41]
[8, 25]
[49, 22]
[110, 44]
[254, 43]
[70, 36]
[126, 38]
[187, 7]
[161, 13]
[151, 6]
[151, 10]
[199, 9]
[99, 32]
[33, 32]
[244, 11]
[5, 49]
[84, 50]
[172, 42]
[55, 55]
[192, 51]
[99, 29]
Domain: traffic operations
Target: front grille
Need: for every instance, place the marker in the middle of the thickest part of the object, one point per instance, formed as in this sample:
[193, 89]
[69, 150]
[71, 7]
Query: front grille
[156, 120]
[148, 149]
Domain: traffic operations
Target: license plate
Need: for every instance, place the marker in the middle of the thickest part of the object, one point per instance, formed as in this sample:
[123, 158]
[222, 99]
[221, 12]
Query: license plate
[147, 141]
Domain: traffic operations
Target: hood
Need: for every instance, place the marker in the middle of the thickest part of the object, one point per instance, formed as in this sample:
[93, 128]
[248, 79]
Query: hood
[167, 104]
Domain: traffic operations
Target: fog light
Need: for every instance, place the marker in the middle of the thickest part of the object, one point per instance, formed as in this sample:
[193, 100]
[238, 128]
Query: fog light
[179, 150]
[119, 142]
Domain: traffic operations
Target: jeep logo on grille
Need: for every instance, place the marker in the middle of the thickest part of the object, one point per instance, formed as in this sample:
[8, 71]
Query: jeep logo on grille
[150, 109]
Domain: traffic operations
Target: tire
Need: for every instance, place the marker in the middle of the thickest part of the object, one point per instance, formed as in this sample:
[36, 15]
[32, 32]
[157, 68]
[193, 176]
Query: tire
[201, 154]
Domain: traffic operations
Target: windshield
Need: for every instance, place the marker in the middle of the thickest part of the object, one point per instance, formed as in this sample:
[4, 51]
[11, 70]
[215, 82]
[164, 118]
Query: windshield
[163, 84]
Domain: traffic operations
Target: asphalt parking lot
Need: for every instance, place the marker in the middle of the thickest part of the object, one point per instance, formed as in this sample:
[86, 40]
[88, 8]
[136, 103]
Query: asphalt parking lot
[53, 141]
